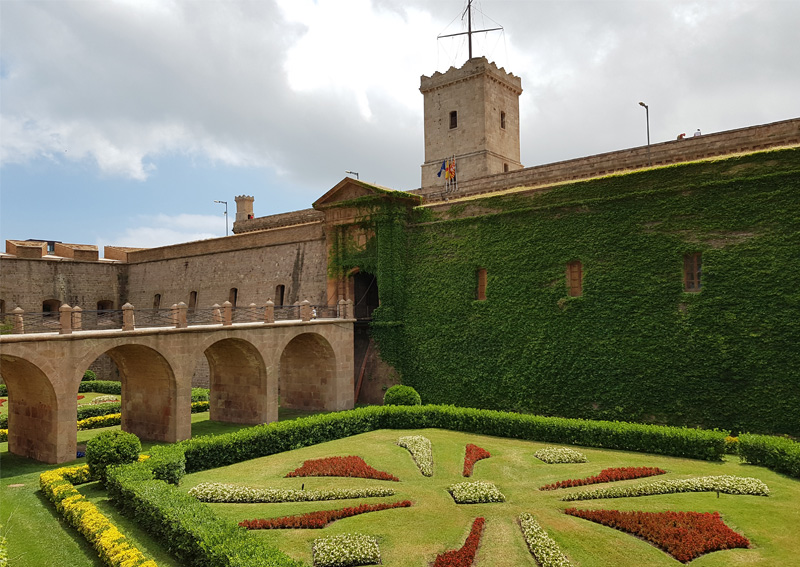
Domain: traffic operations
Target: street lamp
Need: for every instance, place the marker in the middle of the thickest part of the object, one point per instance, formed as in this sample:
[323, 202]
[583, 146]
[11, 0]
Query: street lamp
[647, 112]
[226, 214]
[353, 173]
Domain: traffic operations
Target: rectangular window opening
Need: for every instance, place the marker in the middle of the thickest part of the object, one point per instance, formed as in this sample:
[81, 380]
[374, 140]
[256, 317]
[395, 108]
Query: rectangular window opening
[692, 270]
[192, 301]
[233, 295]
[575, 278]
[157, 301]
[453, 119]
[480, 292]
[502, 120]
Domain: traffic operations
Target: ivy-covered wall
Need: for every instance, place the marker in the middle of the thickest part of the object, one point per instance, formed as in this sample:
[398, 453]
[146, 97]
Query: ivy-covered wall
[634, 345]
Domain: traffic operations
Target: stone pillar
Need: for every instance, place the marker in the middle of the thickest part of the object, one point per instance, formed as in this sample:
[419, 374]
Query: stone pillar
[341, 310]
[216, 314]
[227, 313]
[349, 309]
[65, 318]
[77, 318]
[269, 312]
[182, 316]
[19, 321]
[305, 310]
[128, 323]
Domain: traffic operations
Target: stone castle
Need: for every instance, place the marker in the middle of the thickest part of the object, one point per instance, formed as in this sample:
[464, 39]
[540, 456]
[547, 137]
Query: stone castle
[471, 114]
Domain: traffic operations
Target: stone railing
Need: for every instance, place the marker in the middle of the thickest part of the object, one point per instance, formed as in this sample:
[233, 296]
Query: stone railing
[74, 319]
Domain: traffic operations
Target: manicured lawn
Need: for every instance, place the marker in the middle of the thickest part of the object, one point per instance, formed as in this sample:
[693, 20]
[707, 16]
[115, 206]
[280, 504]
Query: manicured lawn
[414, 536]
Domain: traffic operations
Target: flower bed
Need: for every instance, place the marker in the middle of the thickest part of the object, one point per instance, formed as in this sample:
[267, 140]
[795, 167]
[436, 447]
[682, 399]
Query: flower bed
[464, 556]
[100, 421]
[607, 475]
[113, 547]
[472, 456]
[558, 455]
[3, 435]
[344, 550]
[216, 492]
[351, 466]
[541, 545]
[684, 535]
[725, 483]
[476, 492]
[421, 452]
[105, 400]
[318, 520]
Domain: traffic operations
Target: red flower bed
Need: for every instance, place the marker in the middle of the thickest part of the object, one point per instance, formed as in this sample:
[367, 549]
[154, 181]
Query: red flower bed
[466, 555]
[474, 454]
[317, 520]
[607, 475]
[684, 535]
[2, 401]
[341, 466]
[81, 397]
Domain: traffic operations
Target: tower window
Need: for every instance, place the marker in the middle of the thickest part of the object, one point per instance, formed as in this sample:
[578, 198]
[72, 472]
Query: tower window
[280, 291]
[480, 292]
[233, 295]
[692, 268]
[502, 120]
[157, 301]
[575, 278]
[505, 168]
[453, 119]
[192, 301]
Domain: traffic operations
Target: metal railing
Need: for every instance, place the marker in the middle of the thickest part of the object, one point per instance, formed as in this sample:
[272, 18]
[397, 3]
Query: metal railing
[74, 319]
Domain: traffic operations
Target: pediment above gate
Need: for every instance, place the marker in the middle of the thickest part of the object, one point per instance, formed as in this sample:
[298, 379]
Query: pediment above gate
[351, 199]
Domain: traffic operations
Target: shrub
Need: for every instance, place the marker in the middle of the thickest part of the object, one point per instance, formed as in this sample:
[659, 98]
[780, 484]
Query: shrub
[89, 375]
[101, 387]
[777, 453]
[168, 463]
[400, 395]
[93, 410]
[200, 394]
[100, 421]
[3, 435]
[111, 448]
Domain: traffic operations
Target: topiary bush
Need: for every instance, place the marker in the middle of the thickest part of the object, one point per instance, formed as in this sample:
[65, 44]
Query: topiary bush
[111, 448]
[89, 375]
[400, 395]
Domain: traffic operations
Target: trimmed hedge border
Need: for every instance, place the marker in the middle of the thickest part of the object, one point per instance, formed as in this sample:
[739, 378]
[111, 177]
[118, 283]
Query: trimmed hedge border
[197, 536]
[775, 453]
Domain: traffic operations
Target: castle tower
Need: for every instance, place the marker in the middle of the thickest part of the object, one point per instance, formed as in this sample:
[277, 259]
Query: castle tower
[472, 113]
[244, 207]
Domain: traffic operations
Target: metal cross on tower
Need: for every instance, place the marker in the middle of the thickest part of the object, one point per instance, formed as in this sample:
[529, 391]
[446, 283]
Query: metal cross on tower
[469, 32]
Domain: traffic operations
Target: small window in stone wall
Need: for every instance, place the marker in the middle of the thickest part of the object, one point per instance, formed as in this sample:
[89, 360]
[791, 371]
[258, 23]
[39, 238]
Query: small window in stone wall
[505, 168]
[192, 301]
[575, 278]
[280, 291]
[2, 307]
[502, 120]
[453, 119]
[157, 301]
[233, 295]
[692, 270]
[480, 291]
[105, 305]
[50, 306]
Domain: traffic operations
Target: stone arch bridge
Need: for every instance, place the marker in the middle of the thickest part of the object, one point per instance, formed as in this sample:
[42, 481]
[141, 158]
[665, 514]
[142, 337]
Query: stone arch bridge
[309, 361]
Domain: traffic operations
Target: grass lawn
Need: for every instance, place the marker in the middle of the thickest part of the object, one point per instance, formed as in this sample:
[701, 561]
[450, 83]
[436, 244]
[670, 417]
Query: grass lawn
[413, 536]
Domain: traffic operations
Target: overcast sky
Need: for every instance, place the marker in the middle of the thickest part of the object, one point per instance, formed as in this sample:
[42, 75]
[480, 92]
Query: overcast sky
[122, 121]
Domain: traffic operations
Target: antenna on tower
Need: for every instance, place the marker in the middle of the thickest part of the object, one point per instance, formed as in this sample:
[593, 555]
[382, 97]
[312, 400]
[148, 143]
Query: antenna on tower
[469, 32]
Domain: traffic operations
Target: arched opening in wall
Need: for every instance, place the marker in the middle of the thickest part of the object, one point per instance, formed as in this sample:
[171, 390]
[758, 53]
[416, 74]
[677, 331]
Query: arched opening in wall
[280, 294]
[50, 307]
[157, 301]
[33, 414]
[233, 295]
[364, 294]
[150, 407]
[192, 301]
[307, 373]
[238, 383]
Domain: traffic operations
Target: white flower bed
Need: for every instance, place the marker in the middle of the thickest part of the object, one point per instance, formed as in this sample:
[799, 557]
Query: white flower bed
[421, 452]
[475, 492]
[344, 550]
[217, 492]
[541, 545]
[556, 455]
[104, 399]
[725, 483]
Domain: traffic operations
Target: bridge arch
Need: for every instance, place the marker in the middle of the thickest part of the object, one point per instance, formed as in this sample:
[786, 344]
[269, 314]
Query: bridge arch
[239, 383]
[38, 424]
[307, 373]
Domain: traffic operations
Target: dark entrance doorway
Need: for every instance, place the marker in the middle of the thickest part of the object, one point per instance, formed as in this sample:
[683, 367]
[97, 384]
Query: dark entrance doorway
[365, 294]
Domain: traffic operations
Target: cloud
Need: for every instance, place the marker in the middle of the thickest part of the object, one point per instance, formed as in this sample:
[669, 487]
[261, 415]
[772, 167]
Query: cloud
[163, 230]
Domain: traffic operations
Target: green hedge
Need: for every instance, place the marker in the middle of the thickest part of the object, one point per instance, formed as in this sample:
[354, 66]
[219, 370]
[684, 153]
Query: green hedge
[3, 390]
[94, 410]
[101, 387]
[777, 453]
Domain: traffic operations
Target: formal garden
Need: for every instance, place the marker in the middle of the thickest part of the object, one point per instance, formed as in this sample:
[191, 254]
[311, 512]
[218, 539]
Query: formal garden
[406, 485]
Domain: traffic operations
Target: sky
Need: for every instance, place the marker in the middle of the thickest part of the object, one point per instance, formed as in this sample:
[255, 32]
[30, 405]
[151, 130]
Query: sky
[122, 121]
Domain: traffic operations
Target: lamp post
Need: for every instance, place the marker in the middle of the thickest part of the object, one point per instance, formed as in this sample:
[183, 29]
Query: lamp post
[226, 214]
[352, 173]
[647, 115]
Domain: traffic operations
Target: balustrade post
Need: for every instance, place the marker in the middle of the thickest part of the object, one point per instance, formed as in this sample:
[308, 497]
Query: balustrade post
[216, 314]
[128, 323]
[269, 312]
[348, 308]
[341, 310]
[19, 321]
[77, 319]
[305, 310]
[182, 316]
[65, 319]
[227, 313]
[174, 314]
